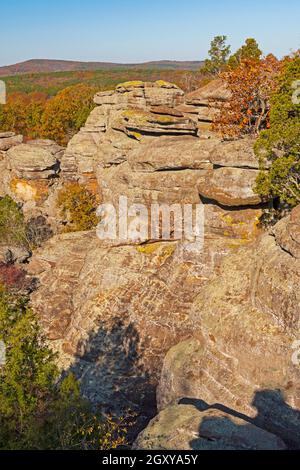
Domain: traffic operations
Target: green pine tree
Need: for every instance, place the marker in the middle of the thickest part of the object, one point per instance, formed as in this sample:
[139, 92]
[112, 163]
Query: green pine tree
[219, 53]
[250, 50]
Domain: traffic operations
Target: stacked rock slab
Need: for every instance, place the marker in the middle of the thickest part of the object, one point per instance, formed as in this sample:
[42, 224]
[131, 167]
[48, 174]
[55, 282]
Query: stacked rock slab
[134, 109]
[202, 105]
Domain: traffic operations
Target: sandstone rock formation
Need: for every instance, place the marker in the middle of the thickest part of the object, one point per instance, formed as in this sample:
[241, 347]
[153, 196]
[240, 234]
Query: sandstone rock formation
[202, 104]
[245, 322]
[29, 172]
[181, 427]
[8, 140]
[139, 141]
[215, 324]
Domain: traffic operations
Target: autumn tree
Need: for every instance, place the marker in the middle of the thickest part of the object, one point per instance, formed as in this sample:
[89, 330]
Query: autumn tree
[249, 51]
[251, 85]
[23, 113]
[218, 53]
[279, 146]
[67, 112]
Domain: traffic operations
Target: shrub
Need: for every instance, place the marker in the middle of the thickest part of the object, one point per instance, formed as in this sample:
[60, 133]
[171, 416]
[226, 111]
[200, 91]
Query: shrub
[12, 225]
[12, 276]
[16, 232]
[279, 146]
[38, 411]
[38, 231]
[78, 207]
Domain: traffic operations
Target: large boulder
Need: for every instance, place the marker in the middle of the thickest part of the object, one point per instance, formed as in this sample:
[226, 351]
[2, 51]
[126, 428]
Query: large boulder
[230, 187]
[35, 160]
[202, 105]
[184, 427]
[237, 153]
[29, 173]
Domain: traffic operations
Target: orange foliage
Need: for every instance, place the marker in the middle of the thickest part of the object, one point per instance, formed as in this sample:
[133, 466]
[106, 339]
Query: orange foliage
[251, 85]
[67, 112]
[22, 113]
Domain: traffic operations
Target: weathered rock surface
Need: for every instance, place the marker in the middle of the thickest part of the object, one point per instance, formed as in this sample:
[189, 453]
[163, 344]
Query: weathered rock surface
[215, 324]
[245, 321]
[287, 233]
[28, 173]
[88, 287]
[235, 154]
[181, 427]
[8, 140]
[230, 186]
[169, 154]
[38, 159]
[202, 105]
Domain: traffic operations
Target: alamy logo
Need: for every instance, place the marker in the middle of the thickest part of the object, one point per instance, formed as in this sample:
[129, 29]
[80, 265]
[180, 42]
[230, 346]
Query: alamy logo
[139, 223]
[296, 94]
[2, 353]
[296, 354]
[2, 92]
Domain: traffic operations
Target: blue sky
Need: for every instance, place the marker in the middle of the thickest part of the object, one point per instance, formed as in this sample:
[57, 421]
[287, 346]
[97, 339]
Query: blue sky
[137, 31]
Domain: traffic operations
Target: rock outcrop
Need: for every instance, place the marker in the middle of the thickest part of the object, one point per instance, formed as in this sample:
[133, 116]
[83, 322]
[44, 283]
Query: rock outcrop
[181, 427]
[202, 105]
[29, 172]
[8, 140]
[246, 320]
[212, 326]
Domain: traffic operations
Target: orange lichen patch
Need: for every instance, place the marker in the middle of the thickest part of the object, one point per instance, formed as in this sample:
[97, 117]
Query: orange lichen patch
[30, 191]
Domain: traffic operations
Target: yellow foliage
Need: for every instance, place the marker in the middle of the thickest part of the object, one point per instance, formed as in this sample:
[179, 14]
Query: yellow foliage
[78, 207]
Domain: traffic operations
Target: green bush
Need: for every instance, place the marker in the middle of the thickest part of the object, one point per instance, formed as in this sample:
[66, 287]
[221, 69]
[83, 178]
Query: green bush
[37, 410]
[279, 146]
[12, 225]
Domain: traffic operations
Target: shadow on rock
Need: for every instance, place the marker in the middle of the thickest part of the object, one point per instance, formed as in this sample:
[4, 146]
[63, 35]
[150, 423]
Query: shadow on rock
[111, 373]
[274, 415]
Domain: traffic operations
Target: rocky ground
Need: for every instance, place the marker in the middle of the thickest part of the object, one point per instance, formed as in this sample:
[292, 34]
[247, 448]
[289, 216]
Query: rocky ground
[209, 332]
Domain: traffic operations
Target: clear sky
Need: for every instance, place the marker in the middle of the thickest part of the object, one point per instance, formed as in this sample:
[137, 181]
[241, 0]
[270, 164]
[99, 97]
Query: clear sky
[138, 30]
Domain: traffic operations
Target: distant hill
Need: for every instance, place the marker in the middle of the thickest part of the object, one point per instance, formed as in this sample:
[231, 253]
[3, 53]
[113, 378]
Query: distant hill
[46, 66]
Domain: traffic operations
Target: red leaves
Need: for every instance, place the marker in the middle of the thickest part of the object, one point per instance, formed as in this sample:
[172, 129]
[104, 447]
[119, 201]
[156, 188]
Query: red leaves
[12, 276]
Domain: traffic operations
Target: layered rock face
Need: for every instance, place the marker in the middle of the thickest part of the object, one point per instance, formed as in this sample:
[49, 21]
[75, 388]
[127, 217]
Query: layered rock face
[202, 105]
[214, 325]
[134, 109]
